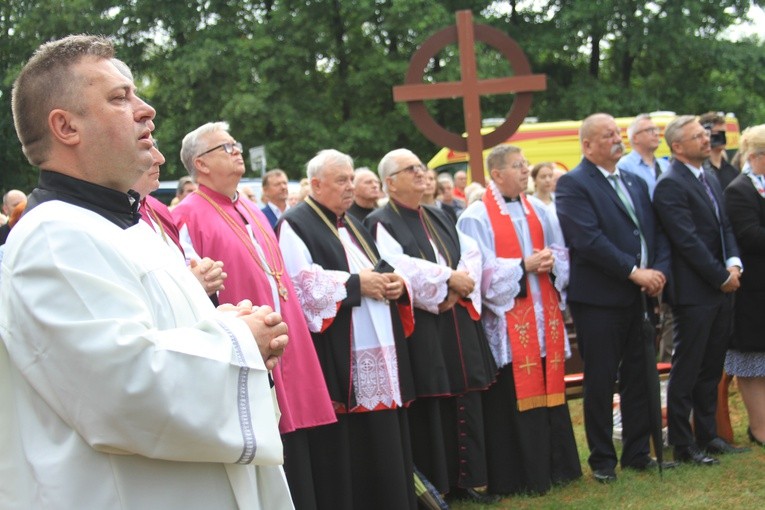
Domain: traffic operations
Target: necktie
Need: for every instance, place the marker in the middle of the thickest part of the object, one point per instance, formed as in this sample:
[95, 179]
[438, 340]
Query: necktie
[656, 169]
[711, 195]
[614, 178]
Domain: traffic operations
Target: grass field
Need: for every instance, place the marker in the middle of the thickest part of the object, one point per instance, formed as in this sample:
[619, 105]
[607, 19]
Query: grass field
[737, 483]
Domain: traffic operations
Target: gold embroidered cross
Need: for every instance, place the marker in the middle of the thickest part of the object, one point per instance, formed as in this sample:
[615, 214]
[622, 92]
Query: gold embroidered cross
[556, 361]
[527, 366]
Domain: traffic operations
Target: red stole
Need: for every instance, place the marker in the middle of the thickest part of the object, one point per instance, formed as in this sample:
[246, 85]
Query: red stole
[532, 388]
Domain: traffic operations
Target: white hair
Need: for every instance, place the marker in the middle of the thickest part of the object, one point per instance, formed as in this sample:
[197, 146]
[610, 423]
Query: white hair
[192, 146]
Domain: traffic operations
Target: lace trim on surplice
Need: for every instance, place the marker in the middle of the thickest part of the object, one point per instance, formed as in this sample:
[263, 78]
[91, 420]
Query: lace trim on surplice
[319, 291]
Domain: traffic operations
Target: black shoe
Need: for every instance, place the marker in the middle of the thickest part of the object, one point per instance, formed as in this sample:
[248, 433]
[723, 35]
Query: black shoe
[693, 454]
[718, 446]
[473, 495]
[754, 439]
[650, 463]
[604, 475]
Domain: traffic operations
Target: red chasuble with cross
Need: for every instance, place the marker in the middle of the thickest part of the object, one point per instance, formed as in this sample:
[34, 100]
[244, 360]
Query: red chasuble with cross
[535, 385]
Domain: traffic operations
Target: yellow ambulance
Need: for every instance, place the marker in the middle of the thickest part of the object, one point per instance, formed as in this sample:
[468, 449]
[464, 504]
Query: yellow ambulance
[558, 142]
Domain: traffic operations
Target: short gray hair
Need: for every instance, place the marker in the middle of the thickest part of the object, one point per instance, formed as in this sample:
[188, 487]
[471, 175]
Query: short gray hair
[326, 158]
[634, 125]
[498, 155]
[182, 182]
[588, 125]
[388, 164]
[361, 172]
[672, 131]
[192, 146]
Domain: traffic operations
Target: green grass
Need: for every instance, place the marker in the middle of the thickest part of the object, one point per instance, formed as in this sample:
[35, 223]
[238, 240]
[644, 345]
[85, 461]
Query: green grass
[737, 483]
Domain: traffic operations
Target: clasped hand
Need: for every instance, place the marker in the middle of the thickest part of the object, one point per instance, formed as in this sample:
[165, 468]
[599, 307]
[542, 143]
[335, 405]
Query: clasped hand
[650, 281]
[267, 326]
[381, 286]
[540, 262]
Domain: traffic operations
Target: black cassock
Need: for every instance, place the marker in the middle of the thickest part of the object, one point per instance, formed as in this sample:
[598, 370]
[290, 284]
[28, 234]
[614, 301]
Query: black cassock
[364, 460]
[450, 358]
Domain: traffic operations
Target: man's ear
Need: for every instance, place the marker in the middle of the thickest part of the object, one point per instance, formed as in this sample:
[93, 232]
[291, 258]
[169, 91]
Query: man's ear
[64, 127]
[201, 167]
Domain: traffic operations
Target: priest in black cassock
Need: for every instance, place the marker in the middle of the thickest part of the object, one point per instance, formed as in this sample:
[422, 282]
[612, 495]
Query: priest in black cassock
[451, 359]
[530, 440]
[357, 310]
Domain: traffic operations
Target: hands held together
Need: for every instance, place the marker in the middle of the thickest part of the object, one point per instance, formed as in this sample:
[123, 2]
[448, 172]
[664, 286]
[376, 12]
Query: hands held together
[381, 286]
[267, 326]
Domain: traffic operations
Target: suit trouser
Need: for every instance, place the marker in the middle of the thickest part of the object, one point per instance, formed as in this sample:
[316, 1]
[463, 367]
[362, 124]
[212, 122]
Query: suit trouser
[701, 339]
[611, 346]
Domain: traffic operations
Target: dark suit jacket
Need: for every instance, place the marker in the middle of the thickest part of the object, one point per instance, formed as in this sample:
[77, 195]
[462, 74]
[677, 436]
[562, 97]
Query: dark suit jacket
[746, 211]
[695, 234]
[272, 219]
[603, 242]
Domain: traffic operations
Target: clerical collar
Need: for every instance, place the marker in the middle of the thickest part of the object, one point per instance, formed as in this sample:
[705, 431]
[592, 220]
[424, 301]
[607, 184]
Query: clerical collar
[118, 207]
[508, 199]
[406, 208]
[331, 216]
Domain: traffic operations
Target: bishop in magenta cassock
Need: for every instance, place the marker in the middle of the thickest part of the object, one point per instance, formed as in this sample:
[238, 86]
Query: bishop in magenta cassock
[218, 223]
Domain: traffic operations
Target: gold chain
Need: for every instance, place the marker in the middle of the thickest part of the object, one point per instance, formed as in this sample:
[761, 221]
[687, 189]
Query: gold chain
[370, 254]
[273, 252]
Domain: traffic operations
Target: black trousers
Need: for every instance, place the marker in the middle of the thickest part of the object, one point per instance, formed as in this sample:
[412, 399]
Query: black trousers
[612, 348]
[702, 333]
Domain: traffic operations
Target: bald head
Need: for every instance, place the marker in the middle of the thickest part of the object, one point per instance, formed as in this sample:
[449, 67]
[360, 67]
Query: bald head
[11, 200]
[601, 140]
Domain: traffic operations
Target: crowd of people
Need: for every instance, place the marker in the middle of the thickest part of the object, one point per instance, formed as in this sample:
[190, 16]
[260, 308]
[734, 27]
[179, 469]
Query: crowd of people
[329, 349]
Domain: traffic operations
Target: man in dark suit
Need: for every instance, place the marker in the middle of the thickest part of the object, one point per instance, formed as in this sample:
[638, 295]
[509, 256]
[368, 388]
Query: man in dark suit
[617, 251]
[275, 193]
[705, 272]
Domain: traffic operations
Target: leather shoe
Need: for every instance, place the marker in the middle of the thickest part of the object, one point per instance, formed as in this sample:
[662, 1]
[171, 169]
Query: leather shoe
[650, 463]
[693, 454]
[752, 438]
[719, 446]
[470, 494]
[604, 475]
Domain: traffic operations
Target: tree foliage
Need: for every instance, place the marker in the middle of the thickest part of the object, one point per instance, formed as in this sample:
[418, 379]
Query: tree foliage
[301, 75]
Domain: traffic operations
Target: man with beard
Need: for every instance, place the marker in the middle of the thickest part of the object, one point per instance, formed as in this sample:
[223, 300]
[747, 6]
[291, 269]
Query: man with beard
[705, 272]
[450, 356]
[617, 253]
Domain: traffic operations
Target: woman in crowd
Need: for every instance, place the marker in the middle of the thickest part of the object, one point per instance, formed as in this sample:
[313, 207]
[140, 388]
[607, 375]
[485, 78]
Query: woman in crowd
[745, 202]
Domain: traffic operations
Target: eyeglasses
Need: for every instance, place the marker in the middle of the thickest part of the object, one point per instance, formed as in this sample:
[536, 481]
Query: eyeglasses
[411, 169]
[701, 135]
[652, 130]
[523, 163]
[228, 147]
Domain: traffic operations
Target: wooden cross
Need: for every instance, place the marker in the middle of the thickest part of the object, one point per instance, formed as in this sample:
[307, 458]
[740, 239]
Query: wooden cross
[470, 88]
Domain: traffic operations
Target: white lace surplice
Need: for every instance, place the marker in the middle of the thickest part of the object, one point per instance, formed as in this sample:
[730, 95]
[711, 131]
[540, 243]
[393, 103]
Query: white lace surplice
[500, 282]
[428, 279]
[374, 364]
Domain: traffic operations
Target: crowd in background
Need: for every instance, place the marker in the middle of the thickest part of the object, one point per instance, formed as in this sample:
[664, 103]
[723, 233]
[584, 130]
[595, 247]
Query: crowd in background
[425, 314]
